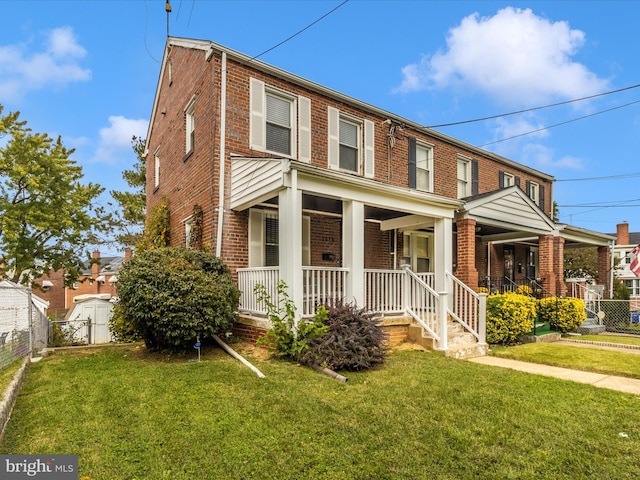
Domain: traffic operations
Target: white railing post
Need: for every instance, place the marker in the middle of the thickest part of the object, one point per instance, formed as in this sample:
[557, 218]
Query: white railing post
[442, 321]
[482, 317]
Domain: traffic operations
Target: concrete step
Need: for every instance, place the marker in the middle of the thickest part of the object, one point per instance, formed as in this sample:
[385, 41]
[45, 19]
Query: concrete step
[461, 338]
[591, 329]
[415, 334]
[466, 351]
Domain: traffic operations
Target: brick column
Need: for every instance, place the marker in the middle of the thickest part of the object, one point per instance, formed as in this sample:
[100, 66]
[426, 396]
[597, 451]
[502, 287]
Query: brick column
[604, 269]
[466, 270]
[546, 264]
[558, 266]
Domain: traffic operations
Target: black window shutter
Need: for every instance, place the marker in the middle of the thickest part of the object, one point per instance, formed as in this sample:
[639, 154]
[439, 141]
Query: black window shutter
[518, 181]
[412, 162]
[541, 193]
[501, 178]
[527, 187]
[474, 177]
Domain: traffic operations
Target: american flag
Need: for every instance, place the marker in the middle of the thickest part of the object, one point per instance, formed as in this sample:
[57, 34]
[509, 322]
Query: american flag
[635, 261]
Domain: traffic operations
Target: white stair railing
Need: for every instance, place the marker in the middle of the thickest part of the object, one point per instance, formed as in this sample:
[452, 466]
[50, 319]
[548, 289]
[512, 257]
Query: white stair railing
[468, 308]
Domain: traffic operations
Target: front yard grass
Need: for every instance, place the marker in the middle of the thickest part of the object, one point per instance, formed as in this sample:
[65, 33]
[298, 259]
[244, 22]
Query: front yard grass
[132, 415]
[599, 360]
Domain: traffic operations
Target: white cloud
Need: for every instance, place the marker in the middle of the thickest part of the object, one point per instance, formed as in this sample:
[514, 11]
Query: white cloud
[541, 157]
[115, 140]
[57, 65]
[515, 57]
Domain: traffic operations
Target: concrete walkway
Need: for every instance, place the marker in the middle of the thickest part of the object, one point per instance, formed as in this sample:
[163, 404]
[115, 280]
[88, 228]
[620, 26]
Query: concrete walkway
[621, 384]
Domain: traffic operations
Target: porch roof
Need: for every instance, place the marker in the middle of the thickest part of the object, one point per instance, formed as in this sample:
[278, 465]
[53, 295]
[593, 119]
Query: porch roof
[256, 180]
[507, 209]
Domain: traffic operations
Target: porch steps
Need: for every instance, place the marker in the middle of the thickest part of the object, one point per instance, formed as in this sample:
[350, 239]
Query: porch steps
[591, 326]
[462, 344]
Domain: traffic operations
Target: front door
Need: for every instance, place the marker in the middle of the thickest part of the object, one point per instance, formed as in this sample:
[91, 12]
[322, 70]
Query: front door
[509, 263]
[416, 251]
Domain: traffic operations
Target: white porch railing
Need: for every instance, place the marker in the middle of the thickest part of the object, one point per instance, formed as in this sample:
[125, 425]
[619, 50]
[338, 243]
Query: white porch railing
[386, 292]
[248, 278]
[321, 285]
[591, 294]
[468, 308]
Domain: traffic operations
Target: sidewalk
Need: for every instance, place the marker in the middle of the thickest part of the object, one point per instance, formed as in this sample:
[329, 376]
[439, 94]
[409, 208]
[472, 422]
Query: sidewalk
[621, 384]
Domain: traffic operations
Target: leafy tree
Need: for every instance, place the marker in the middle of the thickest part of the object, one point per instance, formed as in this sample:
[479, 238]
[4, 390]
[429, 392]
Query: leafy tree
[47, 215]
[129, 217]
[169, 296]
[581, 263]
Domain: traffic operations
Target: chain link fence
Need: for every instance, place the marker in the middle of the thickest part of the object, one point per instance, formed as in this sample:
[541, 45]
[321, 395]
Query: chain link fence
[24, 328]
[620, 316]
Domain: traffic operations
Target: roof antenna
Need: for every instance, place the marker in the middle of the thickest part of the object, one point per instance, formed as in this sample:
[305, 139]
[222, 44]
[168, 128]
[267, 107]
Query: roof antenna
[167, 8]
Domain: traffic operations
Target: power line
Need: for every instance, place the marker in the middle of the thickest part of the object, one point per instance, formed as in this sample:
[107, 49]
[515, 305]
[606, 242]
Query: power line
[559, 124]
[533, 108]
[608, 177]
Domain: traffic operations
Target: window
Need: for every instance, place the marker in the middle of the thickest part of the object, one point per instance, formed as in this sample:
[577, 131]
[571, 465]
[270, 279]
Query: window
[464, 177]
[351, 143]
[156, 169]
[264, 239]
[272, 124]
[188, 231]
[534, 192]
[507, 180]
[190, 126]
[279, 112]
[424, 169]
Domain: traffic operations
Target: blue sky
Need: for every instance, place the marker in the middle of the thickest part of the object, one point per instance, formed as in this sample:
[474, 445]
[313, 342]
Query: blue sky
[87, 70]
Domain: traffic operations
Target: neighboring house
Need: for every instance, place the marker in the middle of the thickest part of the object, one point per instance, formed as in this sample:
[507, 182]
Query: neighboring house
[341, 199]
[625, 242]
[98, 278]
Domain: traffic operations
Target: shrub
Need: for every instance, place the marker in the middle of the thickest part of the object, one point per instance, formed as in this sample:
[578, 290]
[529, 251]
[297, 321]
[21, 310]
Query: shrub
[564, 314]
[172, 295]
[524, 290]
[483, 290]
[285, 338]
[122, 329]
[354, 341]
[509, 316]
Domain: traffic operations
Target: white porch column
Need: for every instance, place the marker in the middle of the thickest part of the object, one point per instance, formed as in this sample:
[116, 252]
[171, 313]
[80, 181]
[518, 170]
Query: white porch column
[353, 250]
[443, 252]
[290, 240]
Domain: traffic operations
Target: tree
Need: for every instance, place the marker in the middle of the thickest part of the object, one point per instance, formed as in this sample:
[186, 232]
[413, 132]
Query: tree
[129, 217]
[170, 296]
[581, 263]
[47, 215]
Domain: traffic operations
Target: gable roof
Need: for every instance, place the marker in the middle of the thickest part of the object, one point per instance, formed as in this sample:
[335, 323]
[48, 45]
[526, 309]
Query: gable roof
[208, 48]
[508, 208]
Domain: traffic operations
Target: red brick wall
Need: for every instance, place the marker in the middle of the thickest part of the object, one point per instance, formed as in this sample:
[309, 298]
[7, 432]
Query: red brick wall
[194, 180]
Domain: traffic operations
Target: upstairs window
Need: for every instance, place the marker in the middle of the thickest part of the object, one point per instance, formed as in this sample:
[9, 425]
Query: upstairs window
[279, 135]
[156, 168]
[190, 126]
[420, 166]
[264, 238]
[279, 122]
[534, 192]
[349, 146]
[351, 143]
[464, 178]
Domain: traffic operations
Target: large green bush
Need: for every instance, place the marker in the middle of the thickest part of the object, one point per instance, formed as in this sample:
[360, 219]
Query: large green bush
[509, 316]
[353, 342]
[172, 295]
[564, 314]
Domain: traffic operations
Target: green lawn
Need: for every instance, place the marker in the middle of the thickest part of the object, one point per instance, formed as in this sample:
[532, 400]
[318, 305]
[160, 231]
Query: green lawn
[624, 363]
[609, 338]
[131, 415]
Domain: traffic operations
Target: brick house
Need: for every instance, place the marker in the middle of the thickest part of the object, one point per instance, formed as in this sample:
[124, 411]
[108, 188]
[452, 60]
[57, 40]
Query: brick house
[99, 277]
[339, 198]
[625, 242]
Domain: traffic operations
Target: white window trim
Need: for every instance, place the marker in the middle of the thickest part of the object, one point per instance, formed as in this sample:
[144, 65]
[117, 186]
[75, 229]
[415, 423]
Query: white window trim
[257, 236]
[189, 115]
[508, 179]
[300, 120]
[467, 162]
[156, 168]
[429, 148]
[366, 142]
[534, 192]
[188, 227]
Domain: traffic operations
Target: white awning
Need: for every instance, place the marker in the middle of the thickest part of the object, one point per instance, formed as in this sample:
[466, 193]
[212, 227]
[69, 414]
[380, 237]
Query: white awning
[47, 284]
[100, 279]
[113, 279]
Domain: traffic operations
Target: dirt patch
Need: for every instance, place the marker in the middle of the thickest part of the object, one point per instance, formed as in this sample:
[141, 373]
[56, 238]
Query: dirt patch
[409, 346]
[247, 349]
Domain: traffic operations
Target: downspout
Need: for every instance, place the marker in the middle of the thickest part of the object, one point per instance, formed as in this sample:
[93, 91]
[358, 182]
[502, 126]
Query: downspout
[223, 152]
